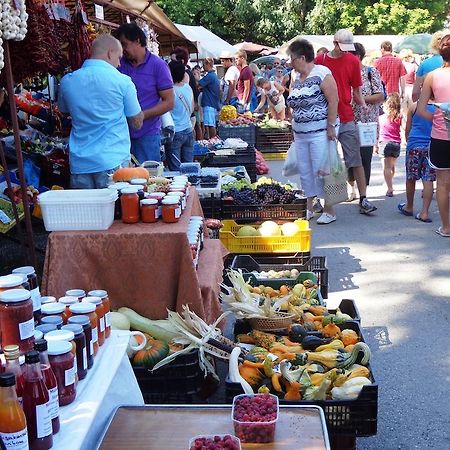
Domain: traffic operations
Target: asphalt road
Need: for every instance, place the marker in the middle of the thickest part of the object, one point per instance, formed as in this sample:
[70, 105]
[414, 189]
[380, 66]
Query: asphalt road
[397, 269]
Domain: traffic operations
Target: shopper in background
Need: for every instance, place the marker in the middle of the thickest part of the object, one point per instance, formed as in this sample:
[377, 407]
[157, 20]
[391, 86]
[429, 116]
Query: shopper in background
[390, 139]
[182, 146]
[437, 87]
[255, 95]
[154, 86]
[410, 63]
[391, 70]
[199, 126]
[100, 101]
[229, 83]
[372, 91]
[245, 81]
[272, 93]
[210, 87]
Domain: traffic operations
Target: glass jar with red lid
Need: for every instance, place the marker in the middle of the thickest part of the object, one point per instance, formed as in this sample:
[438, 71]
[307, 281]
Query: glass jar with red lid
[106, 305]
[16, 319]
[100, 311]
[62, 362]
[88, 309]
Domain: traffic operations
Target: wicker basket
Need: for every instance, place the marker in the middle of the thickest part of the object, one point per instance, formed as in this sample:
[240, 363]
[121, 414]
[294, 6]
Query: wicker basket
[278, 323]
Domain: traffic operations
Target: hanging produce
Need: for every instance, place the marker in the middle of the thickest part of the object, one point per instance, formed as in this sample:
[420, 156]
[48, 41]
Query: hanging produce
[80, 41]
[13, 19]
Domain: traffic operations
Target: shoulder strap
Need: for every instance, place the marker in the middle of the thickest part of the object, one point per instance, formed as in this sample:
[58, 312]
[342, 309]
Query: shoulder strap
[185, 104]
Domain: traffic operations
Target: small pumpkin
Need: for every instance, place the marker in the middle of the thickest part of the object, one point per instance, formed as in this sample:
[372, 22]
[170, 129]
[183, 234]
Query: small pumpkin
[151, 354]
[252, 375]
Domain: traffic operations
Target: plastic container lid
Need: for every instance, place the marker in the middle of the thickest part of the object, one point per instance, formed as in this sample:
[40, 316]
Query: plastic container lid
[79, 320]
[75, 293]
[27, 270]
[68, 300]
[48, 299]
[170, 201]
[14, 295]
[53, 308]
[56, 348]
[73, 327]
[130, 190]
[119, 185]
[157, 195]
[174, 194]
[94, 300]
[83, 307]
[98, 293]
[9, 281]
[59, 335]
[149, 201]
[138, 181]
[46, 327]
[38, 334]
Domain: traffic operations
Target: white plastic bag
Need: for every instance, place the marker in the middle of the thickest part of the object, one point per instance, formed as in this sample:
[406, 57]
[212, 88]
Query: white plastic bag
[335, 183]
[290, 166]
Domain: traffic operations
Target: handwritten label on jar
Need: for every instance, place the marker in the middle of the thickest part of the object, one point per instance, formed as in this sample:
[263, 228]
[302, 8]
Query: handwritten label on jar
[15, 441]
[107, 320]
[84, 358]
[53, 403]
[36, 299]
[178, 212]
[69, 376]
[102, 324]
[26, 329]
[43, 421]
[94, 334]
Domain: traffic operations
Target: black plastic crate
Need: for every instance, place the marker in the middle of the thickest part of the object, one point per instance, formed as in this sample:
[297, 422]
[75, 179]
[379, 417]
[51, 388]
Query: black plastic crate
[241, 158]
[212, 207]
[356, 417]
[177, 382]
[254, 213]
[273, 140]
[246, 133]
[349, 307]
[303, 263]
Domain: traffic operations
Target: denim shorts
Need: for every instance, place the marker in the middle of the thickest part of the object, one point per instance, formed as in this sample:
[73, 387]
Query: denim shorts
[147, 147]
[390, 149]
[418, 166]
[209, 116]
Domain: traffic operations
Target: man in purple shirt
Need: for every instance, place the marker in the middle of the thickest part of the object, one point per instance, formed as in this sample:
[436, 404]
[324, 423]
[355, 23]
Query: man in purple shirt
[154, 88]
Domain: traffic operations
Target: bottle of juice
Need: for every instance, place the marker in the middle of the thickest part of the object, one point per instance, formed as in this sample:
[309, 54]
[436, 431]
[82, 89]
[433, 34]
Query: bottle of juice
[12, 353]
[35, 404]
[13, 425]
[50, 381]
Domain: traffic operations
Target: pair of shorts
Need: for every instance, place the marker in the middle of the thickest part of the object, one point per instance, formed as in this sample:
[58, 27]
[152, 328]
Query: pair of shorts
[439, 154]
[389, 149]
[418, 166]
[209, 116]
[349, 139]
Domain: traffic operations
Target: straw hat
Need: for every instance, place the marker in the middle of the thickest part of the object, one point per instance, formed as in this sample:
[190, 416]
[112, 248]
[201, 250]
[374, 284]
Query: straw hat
[226, 55]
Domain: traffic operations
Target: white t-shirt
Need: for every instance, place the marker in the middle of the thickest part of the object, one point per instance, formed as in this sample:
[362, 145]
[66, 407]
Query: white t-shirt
[231, 75]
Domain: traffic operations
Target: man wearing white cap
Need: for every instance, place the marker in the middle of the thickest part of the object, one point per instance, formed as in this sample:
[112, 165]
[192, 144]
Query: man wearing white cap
[345, 68]
[229, 82]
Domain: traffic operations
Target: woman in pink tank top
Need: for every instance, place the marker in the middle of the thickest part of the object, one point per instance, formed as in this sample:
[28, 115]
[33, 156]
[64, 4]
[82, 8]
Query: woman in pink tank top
[437, 87]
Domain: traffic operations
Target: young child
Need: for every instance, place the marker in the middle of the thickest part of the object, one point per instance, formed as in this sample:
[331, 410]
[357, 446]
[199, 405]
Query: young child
[418, 135]
[390, 139]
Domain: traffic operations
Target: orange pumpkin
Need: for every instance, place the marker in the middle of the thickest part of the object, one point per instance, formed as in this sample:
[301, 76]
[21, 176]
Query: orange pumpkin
[130, 173]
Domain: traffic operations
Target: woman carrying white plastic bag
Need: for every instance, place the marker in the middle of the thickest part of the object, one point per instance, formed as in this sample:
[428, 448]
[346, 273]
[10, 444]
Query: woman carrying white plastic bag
[314, 101]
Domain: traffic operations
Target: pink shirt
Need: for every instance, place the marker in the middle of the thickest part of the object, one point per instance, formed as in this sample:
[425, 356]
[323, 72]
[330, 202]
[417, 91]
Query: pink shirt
[441, 92]
[390, 131]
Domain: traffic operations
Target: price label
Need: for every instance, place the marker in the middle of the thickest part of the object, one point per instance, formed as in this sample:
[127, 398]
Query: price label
[99, 14]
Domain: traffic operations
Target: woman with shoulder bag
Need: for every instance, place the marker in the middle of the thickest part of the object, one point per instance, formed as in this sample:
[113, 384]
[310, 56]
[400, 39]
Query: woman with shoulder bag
[372, 91]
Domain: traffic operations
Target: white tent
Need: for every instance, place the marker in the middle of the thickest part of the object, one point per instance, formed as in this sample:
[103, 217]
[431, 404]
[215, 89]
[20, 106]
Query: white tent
[208, 44]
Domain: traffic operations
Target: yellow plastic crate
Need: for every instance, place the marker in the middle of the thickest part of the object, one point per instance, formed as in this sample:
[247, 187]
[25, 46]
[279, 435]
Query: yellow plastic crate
[300, 242]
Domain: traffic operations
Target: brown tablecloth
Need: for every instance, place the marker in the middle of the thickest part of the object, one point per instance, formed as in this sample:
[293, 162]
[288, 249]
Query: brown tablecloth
[147, 267]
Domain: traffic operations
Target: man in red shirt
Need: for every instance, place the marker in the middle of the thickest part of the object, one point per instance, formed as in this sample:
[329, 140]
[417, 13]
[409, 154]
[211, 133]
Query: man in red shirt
[345, 68]
[391, 70]
[245, 80]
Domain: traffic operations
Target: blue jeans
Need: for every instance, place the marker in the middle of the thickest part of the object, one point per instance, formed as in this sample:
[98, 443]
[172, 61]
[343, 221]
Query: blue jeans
[147, 147]
[96, 180]
[180, 150]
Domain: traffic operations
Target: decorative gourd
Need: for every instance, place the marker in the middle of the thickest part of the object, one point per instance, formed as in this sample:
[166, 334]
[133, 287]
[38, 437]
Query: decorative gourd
[151, 354]
[252, 375]
[130, 173]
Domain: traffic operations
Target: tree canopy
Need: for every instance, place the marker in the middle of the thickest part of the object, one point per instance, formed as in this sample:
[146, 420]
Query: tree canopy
[273, 22]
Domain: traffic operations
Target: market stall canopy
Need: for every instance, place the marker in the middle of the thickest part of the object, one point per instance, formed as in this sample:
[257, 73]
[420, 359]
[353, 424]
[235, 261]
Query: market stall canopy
[418, 43]
[251, 47]
[371, 42]
[208, 44]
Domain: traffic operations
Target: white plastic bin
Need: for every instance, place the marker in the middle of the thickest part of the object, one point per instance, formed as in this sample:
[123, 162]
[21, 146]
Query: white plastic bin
[367, 133]
[78, 209]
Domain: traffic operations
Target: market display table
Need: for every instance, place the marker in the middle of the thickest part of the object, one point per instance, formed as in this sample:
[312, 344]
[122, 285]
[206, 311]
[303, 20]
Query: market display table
[171, 427]
[109, 384]
[147, 267]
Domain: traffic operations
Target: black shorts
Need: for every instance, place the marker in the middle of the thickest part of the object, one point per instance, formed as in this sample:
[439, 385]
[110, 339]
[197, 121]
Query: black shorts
[440, 154]
[392, 149]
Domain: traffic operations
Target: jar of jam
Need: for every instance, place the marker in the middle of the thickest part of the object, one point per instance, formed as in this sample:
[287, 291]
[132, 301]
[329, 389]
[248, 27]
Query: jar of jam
[62, 363]
[117, 208]
[129, 202]
[38, 334]
[56, 321]
[149, 210]
[81, 352]
[86, 324]
[171, 209]
[52, 309]
[62, 335]
[47, 299]
[106, 305]
[100, 311]
[34, 289]
[67, 301]
[11, 282]
[16, 319]
[88, 309]
[76, 293]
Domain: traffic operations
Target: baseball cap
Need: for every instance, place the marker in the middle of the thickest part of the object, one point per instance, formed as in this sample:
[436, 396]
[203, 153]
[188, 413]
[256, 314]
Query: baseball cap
[344, 39]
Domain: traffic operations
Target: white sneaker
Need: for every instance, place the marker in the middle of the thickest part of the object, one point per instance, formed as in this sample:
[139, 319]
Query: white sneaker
[326, 218]
[309, 214]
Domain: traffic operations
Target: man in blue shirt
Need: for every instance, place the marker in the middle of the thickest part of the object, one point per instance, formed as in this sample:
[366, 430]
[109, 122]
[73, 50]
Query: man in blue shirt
[100, 101]
[210, 87]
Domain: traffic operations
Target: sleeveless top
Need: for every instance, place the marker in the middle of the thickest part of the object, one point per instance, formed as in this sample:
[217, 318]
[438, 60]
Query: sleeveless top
[441, 92]
[420, 133]
[308, 102]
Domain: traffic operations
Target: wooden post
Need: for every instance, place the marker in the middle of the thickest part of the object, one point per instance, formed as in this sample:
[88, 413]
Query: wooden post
[31, 256]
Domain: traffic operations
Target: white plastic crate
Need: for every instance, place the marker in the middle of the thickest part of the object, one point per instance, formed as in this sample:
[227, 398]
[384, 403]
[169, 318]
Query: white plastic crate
[78, 209]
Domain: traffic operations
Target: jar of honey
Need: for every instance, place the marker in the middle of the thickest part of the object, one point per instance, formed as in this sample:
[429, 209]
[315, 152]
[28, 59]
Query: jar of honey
[100, 311]
[129, 202]
[149, 210]
[171, 209]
